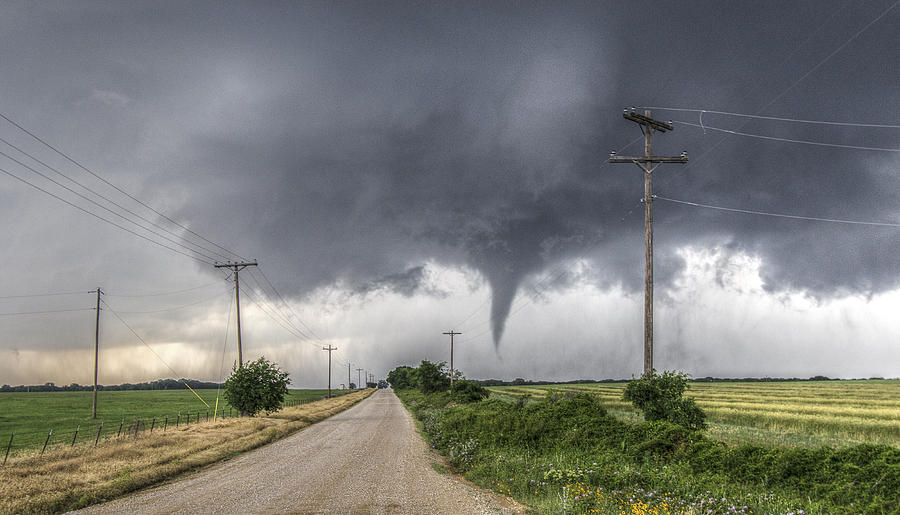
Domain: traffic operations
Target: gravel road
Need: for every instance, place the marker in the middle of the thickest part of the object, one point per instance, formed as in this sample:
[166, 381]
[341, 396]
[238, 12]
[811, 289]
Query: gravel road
[368, 459]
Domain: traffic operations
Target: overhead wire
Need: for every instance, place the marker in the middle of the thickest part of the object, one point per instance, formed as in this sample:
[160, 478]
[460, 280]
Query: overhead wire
[111, 310]
[786, 140]
[777, 97]
[778, 215]
[95, 215]
[165, 310]
[162, 294]
[55, 294]
[17, 313]
[286, 304]
[114, 203]
[835, 52]
[92, 201]
[110, 184]
[776, 118]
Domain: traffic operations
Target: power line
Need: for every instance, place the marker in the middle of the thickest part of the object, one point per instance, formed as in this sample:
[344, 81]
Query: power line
[798, 81]
[92, 201]
[786, 140]
[778, 215]
[47, 294]
[111, 310]
[86, 169]
[217, 295]
[99, 195]
[44, 312]
[95, 215]
[835, 52]
[161, 294]
[777, 118]
[288, 305]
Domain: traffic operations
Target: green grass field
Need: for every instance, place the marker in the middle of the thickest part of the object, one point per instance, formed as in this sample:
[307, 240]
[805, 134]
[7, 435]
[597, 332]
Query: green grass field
[31, 416]
[787, 414]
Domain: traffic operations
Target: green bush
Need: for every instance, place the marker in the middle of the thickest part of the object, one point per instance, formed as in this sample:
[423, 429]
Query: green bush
[659, 397]
[256, 386]
[402, 378]
[432, 377]
[465, 391]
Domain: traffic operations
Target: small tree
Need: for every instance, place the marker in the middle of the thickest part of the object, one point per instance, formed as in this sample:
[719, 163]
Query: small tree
[257, 386]
[402, 377]
[433, 377]
[659, 397]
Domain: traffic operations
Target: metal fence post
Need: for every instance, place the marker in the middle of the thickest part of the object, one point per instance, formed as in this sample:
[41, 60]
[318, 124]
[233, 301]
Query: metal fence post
[152, 425]
[166, 424]
[137, 427]
[76, 434]
[99, 428]
[120, 427]
[46, 442]
[177, 420]
[8, 446]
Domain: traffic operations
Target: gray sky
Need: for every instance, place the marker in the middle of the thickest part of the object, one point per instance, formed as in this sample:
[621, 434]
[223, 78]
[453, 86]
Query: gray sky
[403, 169]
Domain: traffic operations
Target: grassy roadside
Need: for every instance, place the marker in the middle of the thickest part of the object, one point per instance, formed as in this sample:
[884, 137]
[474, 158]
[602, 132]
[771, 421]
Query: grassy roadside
[70, 478]
[570, 456]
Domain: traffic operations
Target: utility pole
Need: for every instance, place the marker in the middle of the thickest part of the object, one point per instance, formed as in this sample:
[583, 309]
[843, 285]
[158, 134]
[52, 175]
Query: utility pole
[237, 267]
[359, 378]
[348, 376]
[648, 162]
[451, 333]
[96, 353]
[329, 349]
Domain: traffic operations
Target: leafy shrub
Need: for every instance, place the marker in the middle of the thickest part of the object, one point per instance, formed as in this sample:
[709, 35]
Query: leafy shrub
[659, 397]
[432, 377]
[256, 386]
[465, 391]
[402, 378]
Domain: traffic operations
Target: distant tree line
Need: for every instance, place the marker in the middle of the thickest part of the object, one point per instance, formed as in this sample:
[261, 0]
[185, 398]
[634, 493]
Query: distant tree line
[523, 382]
[159, 384]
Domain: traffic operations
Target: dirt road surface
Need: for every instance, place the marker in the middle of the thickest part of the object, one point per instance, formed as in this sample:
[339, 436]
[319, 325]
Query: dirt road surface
[368, 459]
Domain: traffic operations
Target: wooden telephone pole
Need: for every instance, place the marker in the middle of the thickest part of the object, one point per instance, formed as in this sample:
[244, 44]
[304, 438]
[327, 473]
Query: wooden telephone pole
[96, 353]
[648, 162]
[237, 267]
[329, 349]
[452, 334]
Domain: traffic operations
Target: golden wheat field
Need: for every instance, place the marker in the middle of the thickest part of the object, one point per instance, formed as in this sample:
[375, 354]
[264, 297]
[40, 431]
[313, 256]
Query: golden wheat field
[789, 413]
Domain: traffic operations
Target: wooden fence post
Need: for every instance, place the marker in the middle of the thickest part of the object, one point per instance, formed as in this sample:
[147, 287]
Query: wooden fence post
[76, 434]
[46, 442]
[152, 424]
[166, 424]
[8, 446]
[137, 427]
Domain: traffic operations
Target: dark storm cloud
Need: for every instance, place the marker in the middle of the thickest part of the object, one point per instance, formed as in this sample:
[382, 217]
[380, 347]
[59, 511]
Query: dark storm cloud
[352, 142]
